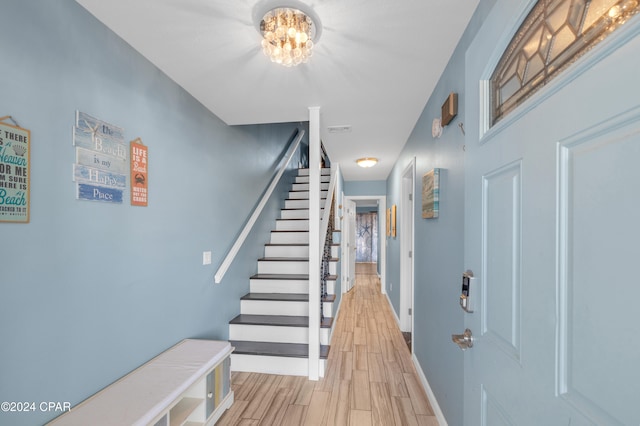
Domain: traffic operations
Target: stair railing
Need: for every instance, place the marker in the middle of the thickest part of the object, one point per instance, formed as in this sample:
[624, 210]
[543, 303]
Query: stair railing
[326, 230]
[282, 166]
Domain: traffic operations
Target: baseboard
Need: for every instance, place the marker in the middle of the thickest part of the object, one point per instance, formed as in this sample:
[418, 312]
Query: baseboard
[335, 319]
[395, 315]
[430, 395]
[442, 421]
[383, 289]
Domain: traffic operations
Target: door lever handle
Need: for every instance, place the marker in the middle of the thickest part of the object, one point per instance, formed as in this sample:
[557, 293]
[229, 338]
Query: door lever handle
[464, 341]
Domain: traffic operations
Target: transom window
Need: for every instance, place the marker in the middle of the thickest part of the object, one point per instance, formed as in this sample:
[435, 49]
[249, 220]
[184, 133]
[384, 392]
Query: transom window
[553, 36]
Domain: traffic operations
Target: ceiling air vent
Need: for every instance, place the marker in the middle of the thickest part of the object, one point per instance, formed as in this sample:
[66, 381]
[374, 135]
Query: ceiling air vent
[340, 129]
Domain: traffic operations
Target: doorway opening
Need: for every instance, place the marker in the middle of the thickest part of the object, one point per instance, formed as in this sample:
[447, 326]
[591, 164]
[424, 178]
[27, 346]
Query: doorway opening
[366, 242]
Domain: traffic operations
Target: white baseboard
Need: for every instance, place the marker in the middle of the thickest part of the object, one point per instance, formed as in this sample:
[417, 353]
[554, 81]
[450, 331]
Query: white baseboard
[432, 398]
[393, 310]
[442, 421]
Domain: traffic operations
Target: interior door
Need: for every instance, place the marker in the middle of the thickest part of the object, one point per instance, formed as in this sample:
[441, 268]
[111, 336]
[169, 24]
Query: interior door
[551, 236]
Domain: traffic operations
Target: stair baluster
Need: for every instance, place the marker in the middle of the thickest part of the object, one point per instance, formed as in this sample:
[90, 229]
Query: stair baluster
[326, 257]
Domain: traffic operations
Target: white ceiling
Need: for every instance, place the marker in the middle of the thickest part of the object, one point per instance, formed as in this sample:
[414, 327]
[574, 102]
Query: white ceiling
[374, 66]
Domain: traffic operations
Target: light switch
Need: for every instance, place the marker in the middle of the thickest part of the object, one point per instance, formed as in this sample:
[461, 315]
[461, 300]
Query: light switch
[206, 258]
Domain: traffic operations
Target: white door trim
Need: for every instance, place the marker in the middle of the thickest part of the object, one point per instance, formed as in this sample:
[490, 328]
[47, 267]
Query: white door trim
[407, 217]
[382, 255]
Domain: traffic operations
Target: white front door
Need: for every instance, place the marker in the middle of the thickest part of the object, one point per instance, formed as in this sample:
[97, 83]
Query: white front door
[552, 227]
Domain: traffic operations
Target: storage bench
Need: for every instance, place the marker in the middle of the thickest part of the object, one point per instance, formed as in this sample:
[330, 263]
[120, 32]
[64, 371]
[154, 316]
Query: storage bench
[188, 384]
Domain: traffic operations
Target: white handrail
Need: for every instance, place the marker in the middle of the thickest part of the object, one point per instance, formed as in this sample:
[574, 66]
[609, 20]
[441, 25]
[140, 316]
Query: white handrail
[226, 263]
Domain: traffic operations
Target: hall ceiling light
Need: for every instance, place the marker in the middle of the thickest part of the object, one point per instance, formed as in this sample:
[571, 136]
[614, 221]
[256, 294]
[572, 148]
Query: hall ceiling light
[287, 36]
[367, 162]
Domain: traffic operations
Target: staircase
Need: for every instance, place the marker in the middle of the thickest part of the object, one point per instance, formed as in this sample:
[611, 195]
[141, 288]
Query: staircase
[271, 333]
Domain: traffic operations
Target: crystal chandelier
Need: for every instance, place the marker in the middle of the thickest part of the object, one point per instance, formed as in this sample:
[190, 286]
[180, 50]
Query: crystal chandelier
[288, 36]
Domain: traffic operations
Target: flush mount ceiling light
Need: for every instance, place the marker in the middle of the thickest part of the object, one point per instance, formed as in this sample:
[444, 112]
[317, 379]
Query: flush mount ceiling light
[288, 36]
[367, 162]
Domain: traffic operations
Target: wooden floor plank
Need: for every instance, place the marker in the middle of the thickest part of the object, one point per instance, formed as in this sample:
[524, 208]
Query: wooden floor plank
[317, 412]
[370, 378]
[360, 391]
[417, 395]
[360, 418]
[403, 412]
[381, 408]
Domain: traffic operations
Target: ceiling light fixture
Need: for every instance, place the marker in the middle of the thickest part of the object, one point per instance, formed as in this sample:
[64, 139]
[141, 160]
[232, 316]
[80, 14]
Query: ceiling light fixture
[367, 162]
[287, 36]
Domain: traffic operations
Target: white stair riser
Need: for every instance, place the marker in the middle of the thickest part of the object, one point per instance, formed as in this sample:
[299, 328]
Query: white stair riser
[325, 171]
[297, 213]
[286, 251]
[285, 286]
[304, 195]
[290, 237]
[327, 308]
[301, 204]
[294, 251]
[273, 307]
[289, 267]
[270, 333]
[281, 307]
[296, 204]
[292, 225]
[294, 214]
[274, 365]
[283, 267]
[305, 186]
[305, 179]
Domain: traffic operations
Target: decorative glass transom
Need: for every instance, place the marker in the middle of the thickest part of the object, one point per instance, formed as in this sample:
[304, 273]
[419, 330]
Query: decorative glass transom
[553, 36]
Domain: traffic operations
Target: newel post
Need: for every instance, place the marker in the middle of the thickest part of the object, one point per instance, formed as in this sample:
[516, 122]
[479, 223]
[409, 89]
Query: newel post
[314, 242]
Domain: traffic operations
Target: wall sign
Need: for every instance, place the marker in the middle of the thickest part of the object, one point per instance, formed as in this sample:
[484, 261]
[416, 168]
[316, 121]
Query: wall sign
[15, 143]
[101, 160]
[139, 173]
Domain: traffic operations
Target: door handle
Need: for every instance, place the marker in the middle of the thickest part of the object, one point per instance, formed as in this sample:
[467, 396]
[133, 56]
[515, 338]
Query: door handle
[464, 341]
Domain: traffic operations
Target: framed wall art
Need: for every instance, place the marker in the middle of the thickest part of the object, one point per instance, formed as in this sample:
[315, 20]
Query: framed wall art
[388, 222]
[393, 221]
[430, 194]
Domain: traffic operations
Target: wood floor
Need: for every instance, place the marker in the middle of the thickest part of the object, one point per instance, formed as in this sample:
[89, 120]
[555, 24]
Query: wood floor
[370, 378]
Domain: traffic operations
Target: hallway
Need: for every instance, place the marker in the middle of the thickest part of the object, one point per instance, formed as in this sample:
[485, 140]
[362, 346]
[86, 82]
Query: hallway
[370, 378]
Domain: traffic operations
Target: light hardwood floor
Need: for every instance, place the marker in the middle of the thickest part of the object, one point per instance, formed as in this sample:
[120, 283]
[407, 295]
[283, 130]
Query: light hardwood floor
[370, 378]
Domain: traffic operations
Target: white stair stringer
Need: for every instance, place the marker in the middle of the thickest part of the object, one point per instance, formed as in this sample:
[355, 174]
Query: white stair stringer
[271, 333]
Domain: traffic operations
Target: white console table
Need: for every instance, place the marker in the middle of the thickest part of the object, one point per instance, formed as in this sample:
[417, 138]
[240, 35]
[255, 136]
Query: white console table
[189, 384]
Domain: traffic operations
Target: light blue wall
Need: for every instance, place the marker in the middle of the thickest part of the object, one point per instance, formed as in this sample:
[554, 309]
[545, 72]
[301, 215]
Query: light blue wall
[439, 250]
[365, 187]
[90, 291]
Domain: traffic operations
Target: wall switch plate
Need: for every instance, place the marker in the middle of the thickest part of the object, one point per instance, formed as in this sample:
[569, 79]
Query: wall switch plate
[206, 258]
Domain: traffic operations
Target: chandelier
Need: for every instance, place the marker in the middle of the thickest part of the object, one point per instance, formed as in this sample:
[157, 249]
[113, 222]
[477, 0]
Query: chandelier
[288, 36]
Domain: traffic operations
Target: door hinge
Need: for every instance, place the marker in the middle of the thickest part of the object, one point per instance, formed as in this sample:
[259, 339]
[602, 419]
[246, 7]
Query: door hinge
[410, 197]
[409, 311]
[410, 254]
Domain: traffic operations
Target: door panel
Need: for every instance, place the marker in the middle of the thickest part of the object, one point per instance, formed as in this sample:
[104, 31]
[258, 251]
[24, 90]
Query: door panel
[501, 236]
[598, 242]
